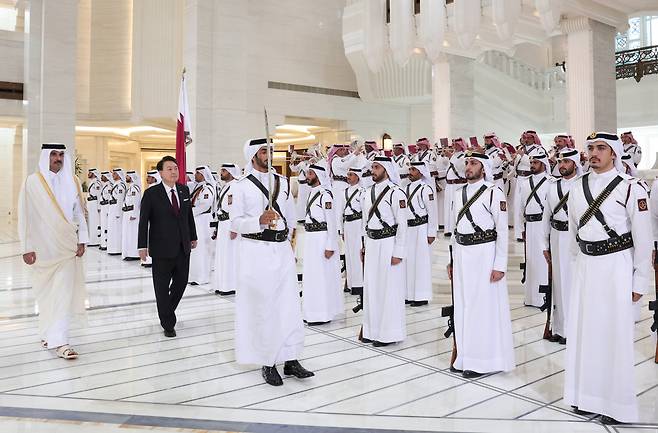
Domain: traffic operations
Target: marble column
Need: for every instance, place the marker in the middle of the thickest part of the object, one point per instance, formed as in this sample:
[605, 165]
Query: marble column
[17, 168]
[51, 63]
[453, 107]
[591, 81]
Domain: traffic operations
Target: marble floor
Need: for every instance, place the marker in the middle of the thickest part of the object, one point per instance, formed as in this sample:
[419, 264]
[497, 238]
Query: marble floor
[130, 377]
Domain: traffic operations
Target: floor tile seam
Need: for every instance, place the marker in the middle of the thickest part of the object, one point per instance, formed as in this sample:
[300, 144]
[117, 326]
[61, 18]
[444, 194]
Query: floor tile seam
[138, 277]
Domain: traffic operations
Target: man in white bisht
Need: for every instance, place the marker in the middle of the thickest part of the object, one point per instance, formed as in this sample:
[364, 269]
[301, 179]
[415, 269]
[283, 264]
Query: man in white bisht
[557, 243]
[152, 178]
[532, 195]
[483, 328]
[609, 226]
[384, 220]
[115, 212]
[421, 233]
[131, 216]
[106, 186]
[322, 297]
[454, 178]
[352, 231]
[53, 232]
[268, 316]
[225, 278]
[203, 198]
[93, 207]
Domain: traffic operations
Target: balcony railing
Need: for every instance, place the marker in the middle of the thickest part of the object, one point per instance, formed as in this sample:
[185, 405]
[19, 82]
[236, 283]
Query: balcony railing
[637, 63]
[519, 71]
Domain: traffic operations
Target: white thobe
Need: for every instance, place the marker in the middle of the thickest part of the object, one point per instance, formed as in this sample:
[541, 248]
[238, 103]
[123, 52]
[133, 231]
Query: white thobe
[353, 237]
[94, 212]
[225, 260]
[115, 218]
[536, 268]
[497, 166]
[418, 261]
[635, 151]
[599, 366]
[402, 164]
[339, 167]
[303, 188]
[104, 212]
[131, 222]
[322, 295]
[268, 316]
[202, 201]
[384, 284]
[455, 171]
[52, 224]
[442, 164]
[483, 327]
[558, 243]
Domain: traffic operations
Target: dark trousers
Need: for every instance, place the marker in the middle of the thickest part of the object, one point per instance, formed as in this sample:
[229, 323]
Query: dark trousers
[169, 281]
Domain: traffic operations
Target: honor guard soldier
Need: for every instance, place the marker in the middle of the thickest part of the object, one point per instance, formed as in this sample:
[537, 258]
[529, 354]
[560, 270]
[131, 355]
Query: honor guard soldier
[421, 233]
[93, 207]
[225, 266]
[609, 226]
[106, 186]
[268, 317]
[130, 225]
[384, 287]
[482, 324]
[352, 231]
[631, 147]
[454, 179]
[203, 198]
[115, 212]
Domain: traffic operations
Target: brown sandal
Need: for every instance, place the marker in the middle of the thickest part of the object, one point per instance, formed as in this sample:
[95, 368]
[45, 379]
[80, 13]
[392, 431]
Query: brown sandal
[67, 352]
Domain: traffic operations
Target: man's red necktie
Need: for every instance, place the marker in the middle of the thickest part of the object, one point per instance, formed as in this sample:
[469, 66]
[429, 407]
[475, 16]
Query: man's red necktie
[174, 202]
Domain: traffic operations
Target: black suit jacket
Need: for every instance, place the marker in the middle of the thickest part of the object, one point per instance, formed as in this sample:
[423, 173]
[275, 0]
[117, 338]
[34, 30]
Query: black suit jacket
[160, 229]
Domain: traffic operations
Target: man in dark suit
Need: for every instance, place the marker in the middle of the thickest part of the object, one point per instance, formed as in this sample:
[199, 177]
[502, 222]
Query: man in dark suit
[166, 229]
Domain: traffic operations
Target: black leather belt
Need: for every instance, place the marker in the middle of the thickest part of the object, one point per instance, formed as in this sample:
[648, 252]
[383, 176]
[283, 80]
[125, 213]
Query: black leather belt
[434, 173]
[103, 202]
[303, 182]
[523, 173]
[268, 235]
[128, 208]
[533, 217]
[340, 178]
[608, 246]
[498, 176]
[404, 175]
[417, 221]
[222, 217]
[455, 181]
[315, 227]
[353, 217]
[113, 201]
[382, 233]
[561, 226]
[214, 224]
[441, 178]
[92, 198]
[476, 238]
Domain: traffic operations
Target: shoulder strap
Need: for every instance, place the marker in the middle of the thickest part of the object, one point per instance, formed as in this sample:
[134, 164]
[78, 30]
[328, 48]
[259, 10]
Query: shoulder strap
[262, 189]
[562, 203]
[410, 198]
[533, 192]
[348, 200]
[595, 204]
[375, 203]
[310, 202]
[465, 211]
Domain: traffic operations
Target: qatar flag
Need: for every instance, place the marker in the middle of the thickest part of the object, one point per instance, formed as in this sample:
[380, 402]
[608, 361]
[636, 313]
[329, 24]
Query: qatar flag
[183, 137]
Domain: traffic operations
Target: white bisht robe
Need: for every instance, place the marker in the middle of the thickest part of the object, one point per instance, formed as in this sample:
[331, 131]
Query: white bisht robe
[599, 366]
[322, 294]
[483, 327]
[225, 256]
[418, 261]
[558, 243]
[105, 212]
[384, 285]
[268, 316]
[115, 218]
[202, 202]
[94, 212]
[353, 236]
[52, 224]
[536, 268]
[131, 222]
[454, 172]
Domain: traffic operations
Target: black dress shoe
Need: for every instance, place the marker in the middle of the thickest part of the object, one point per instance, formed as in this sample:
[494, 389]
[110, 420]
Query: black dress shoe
[562, 341]
[170, 333]
[455, 370]
[220, 293]
[519, 239]
[418, 303]
[317, 323]
[470, 374]
[271, 375]
[608, 420]
[380, 344]
[193, 283]
[554, 338]
[294, 368]
[366, 340]
[580, 412]
[407, 302]
[447, 234]
[346, 290]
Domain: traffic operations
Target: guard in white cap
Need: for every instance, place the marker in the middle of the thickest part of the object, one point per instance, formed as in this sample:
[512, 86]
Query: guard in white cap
[402, 161]
[352, 231]
[299, 166]
[322, 297]
[268, 317]
[225, 260]
[454, 178]
[556, 242]
[493, 149]
[532, 196]
[115, 212]
[631, 147]
[609, 222]
[421, 233]
[131, 205]
[107, 182]
[203, 198]
[93, 207]
[384, 287]
[53, 232]
[482, 324]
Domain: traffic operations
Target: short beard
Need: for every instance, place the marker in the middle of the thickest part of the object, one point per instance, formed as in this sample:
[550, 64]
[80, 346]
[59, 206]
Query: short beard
[315, 182]
[378, 179]
[475, 176]
[567, 172]
[260, 164]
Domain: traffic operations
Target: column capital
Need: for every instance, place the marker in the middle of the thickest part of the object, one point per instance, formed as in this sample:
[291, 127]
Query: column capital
[576, 24]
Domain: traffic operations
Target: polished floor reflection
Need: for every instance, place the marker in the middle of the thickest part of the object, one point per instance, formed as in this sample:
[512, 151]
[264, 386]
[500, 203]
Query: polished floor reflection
[130, 376]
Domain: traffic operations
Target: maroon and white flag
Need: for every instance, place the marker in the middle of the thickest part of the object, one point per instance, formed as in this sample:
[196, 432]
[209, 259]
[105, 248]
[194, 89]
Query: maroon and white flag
[183, 137]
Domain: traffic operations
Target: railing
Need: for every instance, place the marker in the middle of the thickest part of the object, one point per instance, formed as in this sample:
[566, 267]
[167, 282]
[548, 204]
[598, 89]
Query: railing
[519, 71]
[637, 63]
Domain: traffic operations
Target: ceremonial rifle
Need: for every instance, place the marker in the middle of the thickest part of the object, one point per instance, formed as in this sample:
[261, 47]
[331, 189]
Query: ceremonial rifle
[547, 290]
[359, 306]
[653, 305]
[449, 312]
[522, 266]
